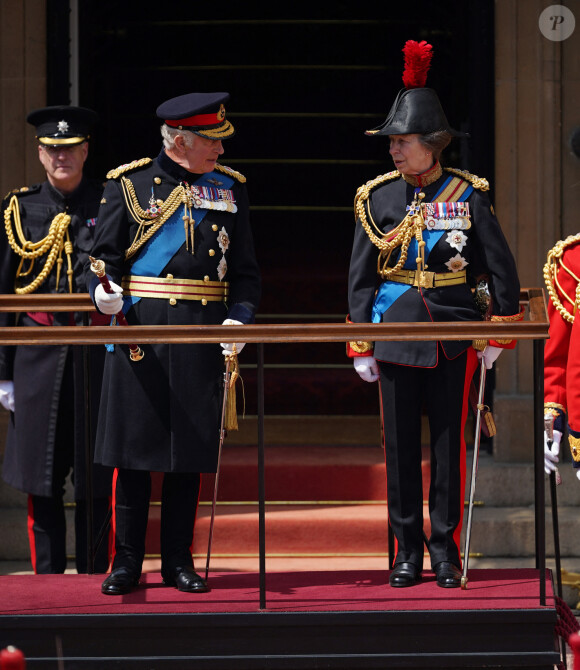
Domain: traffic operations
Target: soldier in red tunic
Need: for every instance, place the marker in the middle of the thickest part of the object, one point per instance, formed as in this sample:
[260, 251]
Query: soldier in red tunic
[562, 352]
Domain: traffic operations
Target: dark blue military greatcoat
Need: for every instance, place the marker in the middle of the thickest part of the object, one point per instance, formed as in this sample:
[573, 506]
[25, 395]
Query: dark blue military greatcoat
[37, 371]
[162, 413]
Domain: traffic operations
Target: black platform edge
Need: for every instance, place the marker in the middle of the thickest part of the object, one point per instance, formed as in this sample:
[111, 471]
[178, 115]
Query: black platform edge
[290, 641]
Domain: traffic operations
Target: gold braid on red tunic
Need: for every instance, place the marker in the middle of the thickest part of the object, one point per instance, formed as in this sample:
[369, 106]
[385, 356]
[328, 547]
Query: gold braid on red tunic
[555, 289]
[554, 264]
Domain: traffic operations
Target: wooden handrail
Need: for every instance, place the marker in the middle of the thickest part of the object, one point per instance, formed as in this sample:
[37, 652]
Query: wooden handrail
[535, 327]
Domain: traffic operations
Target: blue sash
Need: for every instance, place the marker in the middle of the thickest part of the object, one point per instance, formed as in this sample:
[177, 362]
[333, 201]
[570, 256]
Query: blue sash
[389, 291]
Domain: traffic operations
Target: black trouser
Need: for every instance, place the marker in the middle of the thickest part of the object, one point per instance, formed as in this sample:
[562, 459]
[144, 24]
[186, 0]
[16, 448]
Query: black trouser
[179, 498]
[46, 514]
[443, 392]
[47, 534]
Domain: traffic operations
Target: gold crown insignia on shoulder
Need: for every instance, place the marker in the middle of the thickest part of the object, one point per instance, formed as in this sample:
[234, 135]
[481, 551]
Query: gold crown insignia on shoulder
[479, 183]
[22, 191]
[232, 173]
[127, 167]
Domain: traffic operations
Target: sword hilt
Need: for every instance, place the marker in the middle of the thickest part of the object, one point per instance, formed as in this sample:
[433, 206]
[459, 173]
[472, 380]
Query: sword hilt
[98, 267]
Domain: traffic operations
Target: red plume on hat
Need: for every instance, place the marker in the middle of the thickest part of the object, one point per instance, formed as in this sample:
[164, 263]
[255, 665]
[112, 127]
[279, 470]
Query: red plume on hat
[417, 62]
[416, 109]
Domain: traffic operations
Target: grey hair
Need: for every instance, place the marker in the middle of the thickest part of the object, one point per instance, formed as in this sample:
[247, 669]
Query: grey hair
[436, 141]
[169, 134]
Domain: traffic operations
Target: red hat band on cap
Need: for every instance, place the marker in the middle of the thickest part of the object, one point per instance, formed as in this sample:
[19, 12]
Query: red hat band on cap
[199, 120]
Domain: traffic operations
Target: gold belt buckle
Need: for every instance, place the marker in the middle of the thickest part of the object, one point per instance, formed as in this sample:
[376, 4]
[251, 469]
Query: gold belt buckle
[424, 279]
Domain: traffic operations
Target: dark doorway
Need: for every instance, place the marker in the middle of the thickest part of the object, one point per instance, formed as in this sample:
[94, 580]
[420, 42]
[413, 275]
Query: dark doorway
[306, 81]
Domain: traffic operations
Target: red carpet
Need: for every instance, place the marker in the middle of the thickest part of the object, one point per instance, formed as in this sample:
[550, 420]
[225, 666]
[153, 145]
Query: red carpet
[285, 592]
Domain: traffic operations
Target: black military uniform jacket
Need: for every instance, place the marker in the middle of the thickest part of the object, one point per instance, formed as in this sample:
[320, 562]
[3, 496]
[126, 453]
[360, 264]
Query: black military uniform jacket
[479, 250]
[162, 413]
[37, 371]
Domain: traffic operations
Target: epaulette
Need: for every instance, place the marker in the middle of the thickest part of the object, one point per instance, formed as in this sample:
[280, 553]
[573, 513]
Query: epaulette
[553, 263]
[25, 190]
[127, 167]
[479, 183]
[364, 190]
[232, 173]
[558, 249]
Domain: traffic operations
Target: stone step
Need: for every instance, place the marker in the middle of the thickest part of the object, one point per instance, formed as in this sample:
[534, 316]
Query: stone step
[322, 529]
[318, 528]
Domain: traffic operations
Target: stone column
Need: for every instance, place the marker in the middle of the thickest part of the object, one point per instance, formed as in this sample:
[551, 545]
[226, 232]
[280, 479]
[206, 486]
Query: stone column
[22, 88]
[537, 181]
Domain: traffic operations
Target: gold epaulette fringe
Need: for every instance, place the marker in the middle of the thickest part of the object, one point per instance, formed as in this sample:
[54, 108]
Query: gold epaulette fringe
[232, 173]
[117, 172]
[479, 183]
[554, 261]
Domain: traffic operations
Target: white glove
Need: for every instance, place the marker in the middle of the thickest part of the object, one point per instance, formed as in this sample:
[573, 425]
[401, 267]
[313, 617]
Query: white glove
[490, 354]
[367, 368]
[552, 453]
[228, 347]
[109, 303]
[7, 395]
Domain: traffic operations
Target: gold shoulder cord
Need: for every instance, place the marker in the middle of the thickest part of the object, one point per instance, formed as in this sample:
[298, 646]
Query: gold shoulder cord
[149, 224]
[551, 278]
[57, 240]
[411, 226]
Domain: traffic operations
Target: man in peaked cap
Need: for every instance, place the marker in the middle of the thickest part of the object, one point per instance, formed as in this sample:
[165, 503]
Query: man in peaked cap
[46, 239]
[177, 246]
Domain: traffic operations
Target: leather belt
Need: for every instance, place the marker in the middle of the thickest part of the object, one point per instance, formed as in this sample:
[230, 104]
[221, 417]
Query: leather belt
[426, 279]
[175, 289]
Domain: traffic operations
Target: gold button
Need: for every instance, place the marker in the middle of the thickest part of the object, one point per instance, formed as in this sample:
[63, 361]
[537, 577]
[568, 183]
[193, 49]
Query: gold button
[169, 277]
[214, 227]
[206, 278]
[157, 180]
[211, 252]
[203, 301]
[172, 302]
[159, 203]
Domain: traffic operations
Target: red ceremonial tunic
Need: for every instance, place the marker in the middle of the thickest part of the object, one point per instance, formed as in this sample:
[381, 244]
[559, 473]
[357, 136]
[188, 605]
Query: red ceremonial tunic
[562, 350]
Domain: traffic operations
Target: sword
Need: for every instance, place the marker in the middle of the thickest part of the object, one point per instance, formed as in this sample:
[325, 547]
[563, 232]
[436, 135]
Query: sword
[480, 408]
[555, 479]
[229, 358]
[98, 267]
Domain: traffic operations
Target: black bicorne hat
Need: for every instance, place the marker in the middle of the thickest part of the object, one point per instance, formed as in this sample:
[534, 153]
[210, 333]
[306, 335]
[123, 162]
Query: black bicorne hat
[416, 109]
[62, 125]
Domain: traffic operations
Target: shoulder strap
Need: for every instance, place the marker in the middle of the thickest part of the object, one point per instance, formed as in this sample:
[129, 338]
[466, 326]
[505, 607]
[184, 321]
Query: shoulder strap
[128, 167]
